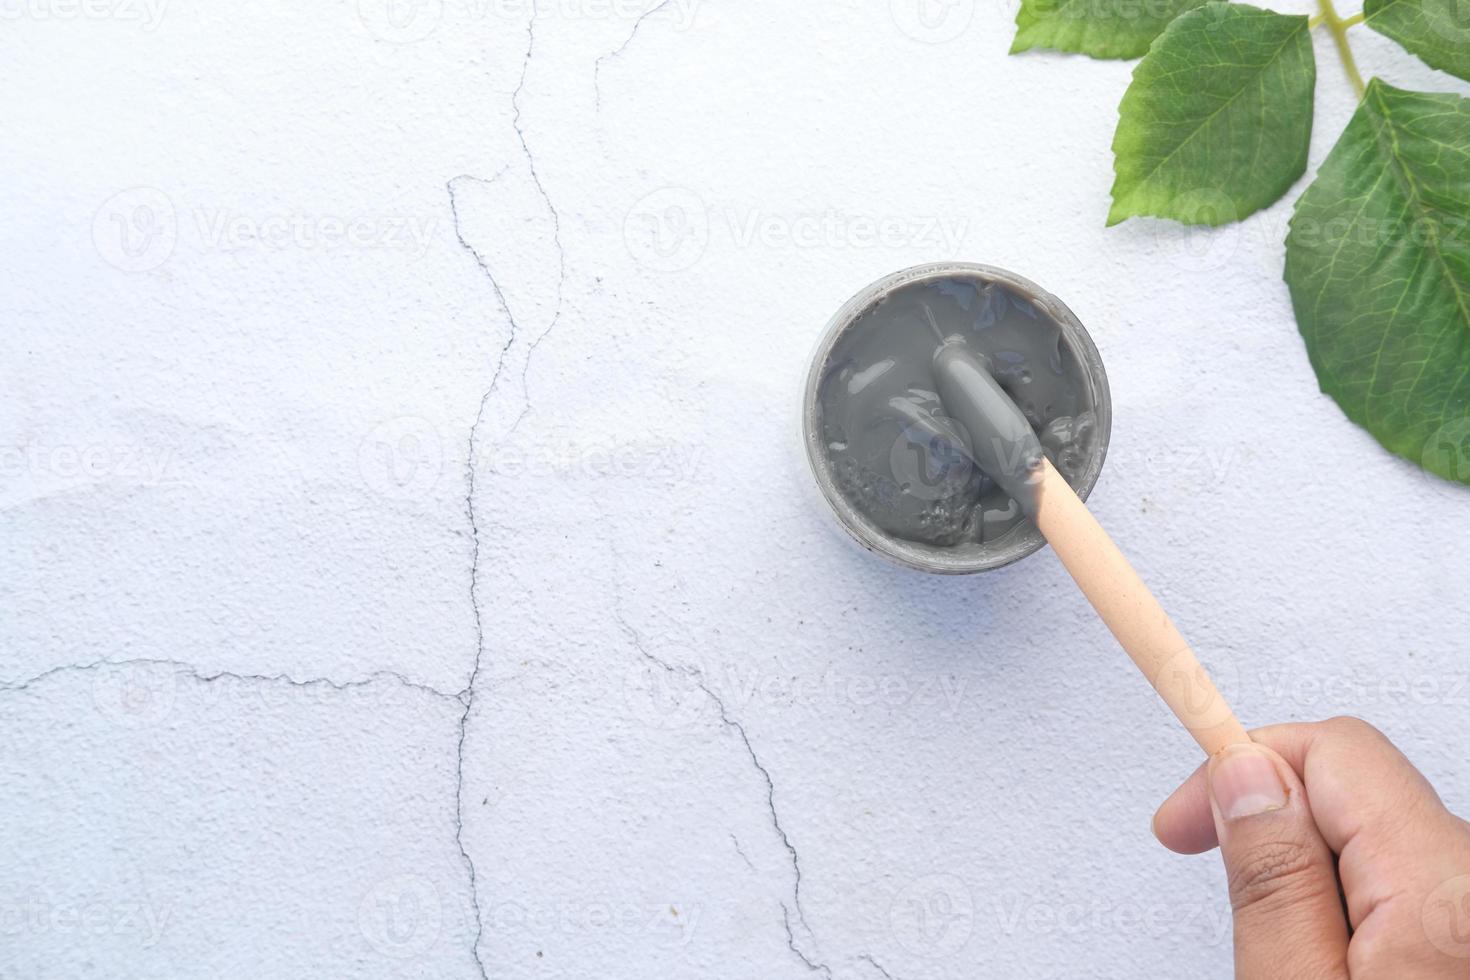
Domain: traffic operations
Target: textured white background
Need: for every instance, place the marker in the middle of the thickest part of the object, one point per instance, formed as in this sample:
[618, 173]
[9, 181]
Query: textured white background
[448, 599]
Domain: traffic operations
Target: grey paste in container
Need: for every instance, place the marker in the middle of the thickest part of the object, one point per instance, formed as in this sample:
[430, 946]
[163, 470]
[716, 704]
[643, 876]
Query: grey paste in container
[895, 465]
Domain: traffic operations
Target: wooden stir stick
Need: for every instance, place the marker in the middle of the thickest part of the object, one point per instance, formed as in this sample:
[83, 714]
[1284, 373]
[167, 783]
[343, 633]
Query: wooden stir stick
[1002, 444]
[1133, 614]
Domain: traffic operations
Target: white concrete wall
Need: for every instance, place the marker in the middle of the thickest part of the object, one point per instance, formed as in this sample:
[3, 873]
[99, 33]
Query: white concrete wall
[400, 478]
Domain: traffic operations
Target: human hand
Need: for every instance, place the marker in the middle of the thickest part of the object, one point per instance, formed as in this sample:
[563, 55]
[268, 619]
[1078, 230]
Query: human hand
[1341, 859]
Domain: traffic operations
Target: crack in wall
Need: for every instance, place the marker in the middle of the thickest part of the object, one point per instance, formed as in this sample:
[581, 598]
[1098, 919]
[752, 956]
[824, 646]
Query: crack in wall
[469, 689]
[615, 52]
[868, 958]
[198, 674]
[561, 255]
[770, 796]
[741, 851]
[811, 964]
[469, 502]
[516, 333]
[494, 285]
[696, 677]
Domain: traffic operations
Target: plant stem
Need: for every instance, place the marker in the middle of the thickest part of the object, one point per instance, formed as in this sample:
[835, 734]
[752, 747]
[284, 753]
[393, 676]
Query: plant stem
[1355, 19]
[1338, 27]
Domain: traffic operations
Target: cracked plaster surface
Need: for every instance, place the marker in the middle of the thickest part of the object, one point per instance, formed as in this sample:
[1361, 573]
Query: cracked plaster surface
[452, 603]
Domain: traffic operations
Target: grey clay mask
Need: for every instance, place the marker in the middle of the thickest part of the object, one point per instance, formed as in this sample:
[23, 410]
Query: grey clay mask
[918, 436]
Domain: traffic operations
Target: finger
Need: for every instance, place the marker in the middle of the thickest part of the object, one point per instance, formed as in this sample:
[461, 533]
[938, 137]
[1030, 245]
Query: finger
[1289, 919]
[1182, 822]
[1357, 778]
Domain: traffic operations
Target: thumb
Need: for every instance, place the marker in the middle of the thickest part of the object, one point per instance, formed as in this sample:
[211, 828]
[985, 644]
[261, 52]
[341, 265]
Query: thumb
[1289, 918]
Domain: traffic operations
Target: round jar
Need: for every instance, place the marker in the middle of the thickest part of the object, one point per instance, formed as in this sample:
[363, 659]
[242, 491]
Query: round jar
[1075, 348]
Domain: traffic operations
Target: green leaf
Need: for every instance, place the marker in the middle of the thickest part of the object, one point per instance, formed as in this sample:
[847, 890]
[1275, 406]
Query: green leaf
[1378, 263]
[1217, 120]
[1100, 28]
[1438, 31]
